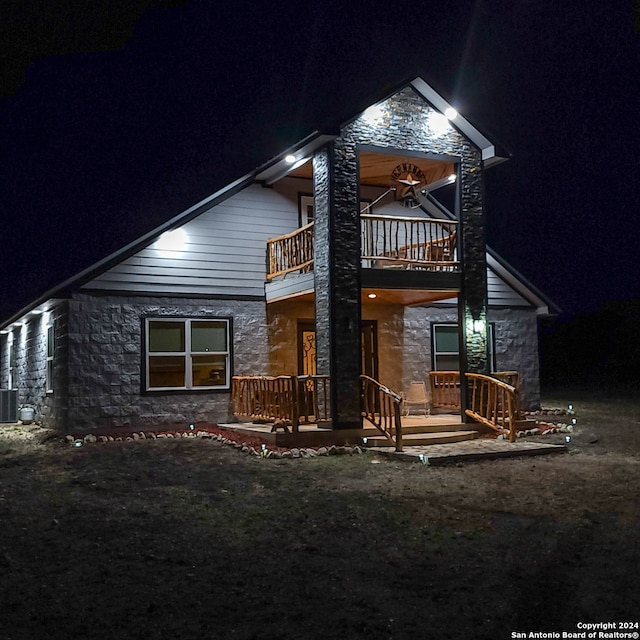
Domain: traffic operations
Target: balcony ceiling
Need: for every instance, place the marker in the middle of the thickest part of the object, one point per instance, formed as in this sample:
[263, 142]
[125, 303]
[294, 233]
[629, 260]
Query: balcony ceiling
[376, 168]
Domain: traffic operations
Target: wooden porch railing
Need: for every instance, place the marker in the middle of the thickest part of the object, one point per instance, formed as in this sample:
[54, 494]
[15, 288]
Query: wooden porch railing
[382, 408]
[291, 252]
[410, 243]
[494, 403]
[294, 399]
[445, 389]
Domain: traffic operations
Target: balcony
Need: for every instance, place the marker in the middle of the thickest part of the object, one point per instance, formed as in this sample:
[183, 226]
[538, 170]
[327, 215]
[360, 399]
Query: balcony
[387, 242]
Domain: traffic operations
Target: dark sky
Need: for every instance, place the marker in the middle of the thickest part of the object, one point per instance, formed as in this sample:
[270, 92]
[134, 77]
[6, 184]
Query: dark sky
[113, 121]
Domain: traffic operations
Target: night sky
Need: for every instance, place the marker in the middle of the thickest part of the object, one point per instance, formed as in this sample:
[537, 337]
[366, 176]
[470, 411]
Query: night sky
[114, 121]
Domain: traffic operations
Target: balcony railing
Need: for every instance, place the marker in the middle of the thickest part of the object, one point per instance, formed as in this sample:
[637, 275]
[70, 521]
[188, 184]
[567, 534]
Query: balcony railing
[409, 243]
[386, 242]
[291, 252]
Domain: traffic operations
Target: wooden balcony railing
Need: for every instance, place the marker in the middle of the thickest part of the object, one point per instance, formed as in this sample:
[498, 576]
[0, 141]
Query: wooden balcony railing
[295, 399]
[382, 408]
[291, 252]
[409, 243]
[494, 403]
[386, 242]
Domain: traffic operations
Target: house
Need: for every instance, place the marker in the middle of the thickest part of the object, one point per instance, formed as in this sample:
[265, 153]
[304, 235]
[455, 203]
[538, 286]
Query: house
[359, 250]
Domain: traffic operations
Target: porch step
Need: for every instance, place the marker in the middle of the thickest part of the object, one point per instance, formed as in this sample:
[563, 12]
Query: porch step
[422, 439]
[430, 428]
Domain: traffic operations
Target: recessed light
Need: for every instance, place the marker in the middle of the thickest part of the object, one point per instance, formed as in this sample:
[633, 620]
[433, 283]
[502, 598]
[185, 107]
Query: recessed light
[290, 158]
[450, 113]
[372, 296]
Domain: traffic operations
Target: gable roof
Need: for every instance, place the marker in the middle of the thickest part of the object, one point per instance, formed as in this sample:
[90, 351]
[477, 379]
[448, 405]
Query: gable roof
[271, 171]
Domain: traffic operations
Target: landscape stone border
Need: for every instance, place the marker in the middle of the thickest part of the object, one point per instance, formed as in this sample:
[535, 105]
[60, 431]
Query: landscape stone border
[264, 452]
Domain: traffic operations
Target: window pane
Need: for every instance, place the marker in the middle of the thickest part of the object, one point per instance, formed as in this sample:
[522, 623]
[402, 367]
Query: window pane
[49, 375]
[209, 335]
[50, 342]
[166, 336]
[447, 363]
[209, 371]
[446, 338]
[166, 371]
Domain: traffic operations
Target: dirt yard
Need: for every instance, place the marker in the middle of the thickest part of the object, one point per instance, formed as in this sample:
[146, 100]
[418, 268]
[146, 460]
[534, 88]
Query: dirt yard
[193, 539]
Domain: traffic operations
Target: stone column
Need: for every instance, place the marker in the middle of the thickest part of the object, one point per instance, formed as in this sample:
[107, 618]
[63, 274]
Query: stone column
[337, 278]
[472, 300]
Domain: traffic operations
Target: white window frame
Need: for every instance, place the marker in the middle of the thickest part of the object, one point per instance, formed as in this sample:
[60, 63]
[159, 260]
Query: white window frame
[307, 202]
[435, 353]
[188, 354]
[50, 353]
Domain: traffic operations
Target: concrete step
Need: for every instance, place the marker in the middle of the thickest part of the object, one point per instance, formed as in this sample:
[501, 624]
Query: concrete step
[422, 439]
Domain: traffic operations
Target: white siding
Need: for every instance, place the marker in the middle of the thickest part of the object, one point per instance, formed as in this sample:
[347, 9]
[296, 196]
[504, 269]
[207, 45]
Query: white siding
[226, 251]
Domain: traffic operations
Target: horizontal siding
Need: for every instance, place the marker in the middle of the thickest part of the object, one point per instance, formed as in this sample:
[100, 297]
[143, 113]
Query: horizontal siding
[289, 286]
[499, 293]
[225, 254]
[226, 251]
[502, 294]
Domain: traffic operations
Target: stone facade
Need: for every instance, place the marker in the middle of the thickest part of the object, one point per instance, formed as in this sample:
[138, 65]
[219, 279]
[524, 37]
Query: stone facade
[29, 343]
[106, 361]
[515, 338]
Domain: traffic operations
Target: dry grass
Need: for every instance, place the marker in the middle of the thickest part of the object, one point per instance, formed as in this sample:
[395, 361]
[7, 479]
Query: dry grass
[191, 539]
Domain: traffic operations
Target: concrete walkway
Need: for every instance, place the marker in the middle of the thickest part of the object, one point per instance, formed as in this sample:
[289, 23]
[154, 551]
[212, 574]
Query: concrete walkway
[478, 449]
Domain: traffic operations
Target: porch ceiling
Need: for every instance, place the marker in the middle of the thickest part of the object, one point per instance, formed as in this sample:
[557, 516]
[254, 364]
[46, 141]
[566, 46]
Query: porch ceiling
[404, 297]
[376, 168]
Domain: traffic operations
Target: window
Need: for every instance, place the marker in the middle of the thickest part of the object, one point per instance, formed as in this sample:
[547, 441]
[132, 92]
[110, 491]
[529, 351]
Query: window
[187, 353]
[446, 349]
[11, 360]
[306, 205]
[50, 356]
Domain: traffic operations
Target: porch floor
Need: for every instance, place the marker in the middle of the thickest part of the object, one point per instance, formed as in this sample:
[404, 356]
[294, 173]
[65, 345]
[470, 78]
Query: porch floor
[449, 448]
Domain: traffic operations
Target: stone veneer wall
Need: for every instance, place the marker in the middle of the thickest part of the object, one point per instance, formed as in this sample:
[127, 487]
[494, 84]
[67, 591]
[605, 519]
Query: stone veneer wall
[106, 360]
[516, 346]
[30, 365]
[406, 123]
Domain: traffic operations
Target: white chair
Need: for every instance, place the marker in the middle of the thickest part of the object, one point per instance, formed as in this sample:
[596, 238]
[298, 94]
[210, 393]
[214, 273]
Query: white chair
[416, 397]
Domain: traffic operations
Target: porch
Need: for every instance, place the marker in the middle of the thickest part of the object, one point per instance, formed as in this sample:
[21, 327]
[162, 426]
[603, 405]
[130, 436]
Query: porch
[295, 411]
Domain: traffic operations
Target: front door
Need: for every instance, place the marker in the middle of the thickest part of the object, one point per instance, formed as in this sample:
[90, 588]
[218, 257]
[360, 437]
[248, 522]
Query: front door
[307, 348]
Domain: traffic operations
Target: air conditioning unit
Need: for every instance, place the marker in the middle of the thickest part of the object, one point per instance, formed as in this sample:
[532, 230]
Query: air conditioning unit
[8, 405]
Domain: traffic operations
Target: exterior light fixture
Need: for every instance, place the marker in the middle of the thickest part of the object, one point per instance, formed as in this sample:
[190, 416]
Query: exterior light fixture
[372, 296]
[191, 427]
[574, 421]
[452, 178]
[373, 114]
[438, 123]
[567, 439]
[290, 158]
[172, 243]
[570, 408]
[364, 441]
[450, 113]
[476, 326]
